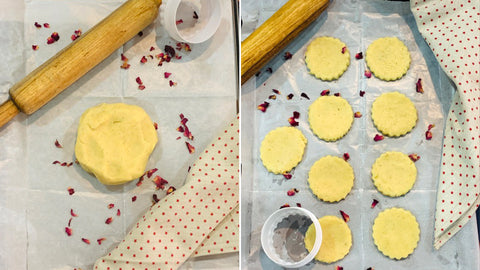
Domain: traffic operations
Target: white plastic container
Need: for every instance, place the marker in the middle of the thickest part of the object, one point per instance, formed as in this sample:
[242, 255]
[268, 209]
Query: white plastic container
[177, 18]
[283, 233]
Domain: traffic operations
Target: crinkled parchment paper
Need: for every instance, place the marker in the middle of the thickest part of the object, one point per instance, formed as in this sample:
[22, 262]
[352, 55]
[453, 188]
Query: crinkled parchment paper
[357, 23]
[34, 202]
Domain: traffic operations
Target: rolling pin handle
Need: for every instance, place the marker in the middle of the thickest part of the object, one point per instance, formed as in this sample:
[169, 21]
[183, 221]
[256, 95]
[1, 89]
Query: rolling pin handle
[8, 110]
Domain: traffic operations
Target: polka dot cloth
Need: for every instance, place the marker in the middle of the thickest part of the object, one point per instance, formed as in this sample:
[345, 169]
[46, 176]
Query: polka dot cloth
[451, 29]
[199, 218]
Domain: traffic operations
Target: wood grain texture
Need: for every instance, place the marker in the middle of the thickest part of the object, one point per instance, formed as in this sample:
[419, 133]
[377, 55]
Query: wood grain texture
[71, 63]
[273, 35]
[8, 110]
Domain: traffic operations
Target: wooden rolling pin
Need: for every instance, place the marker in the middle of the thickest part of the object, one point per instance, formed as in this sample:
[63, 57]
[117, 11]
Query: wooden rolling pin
[274, 34]
[71, 63]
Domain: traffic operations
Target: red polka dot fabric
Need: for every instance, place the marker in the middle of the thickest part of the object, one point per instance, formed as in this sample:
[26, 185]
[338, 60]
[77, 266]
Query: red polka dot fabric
[200, 218]
[452, 30]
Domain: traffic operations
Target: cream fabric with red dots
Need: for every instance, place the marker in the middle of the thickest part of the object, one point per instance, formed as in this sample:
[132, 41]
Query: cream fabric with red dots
[452, 30]
[198, 219]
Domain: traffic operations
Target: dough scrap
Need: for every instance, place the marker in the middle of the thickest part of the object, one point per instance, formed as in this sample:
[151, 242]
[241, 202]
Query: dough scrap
[325, 60]
[336, 239]
[394, 174]
[394, 114]
[388, 58]
[114, 142]
[282, 149]
[331, 178]
[330, 117]
[396, 233]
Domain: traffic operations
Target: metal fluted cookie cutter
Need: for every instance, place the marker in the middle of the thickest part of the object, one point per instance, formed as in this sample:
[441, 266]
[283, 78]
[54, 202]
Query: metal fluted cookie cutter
[283, 235]
[190, 21]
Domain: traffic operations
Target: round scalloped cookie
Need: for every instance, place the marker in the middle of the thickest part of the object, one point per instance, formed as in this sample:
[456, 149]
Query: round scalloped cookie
[331, 178]
[114, 142]
[327, 58]
[282, 149]
[396, 233]
[388, 58]
[394, 114]
[336, 239]
[330, 117]
[394, 174]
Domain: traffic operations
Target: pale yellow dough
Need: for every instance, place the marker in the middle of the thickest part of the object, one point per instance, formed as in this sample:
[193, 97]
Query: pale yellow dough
[114, 142]
[282, 149]
[388, 58]
[331, 178]
[396, 233]
[325, 59]
[336, 239]
[330, 117]
[394, 114]
[394, 174]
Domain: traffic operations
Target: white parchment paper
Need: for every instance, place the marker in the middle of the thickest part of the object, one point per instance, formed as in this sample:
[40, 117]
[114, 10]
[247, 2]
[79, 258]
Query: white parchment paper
[357, 23]
[34, 202]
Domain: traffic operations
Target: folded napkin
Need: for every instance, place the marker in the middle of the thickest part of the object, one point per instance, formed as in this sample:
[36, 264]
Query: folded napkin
[199, 218]
[451, 29]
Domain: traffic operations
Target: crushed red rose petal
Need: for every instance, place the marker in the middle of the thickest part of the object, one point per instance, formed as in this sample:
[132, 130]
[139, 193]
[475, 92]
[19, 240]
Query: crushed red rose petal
[337, 95]
[125, 65]
[419, 86]
[414, 157]
[159, 182]
[359, 56]
[170, 190]
[344, 49]
[292, 122]
[37, 25]
[57, 144]
[289, 96]
[325, 92]
[68, 231]
[346, 156]
[56, 162]
[357, 114]
[70, 191]
[50, 40]
[118, 212]
[172, 83]
[430, 126]
[46, 25]
[285, 205]
[345, 217]
[85, 240]
[141, 87]
[110, 205]
[292, 192]
[100, 240]
[378, 137]
[190, 147]
[272, 97]
[368, 73]
[109, 220]
[296, 115]
[143, 60]
[152, 48]
[287, 176]
[362, 93]
[338, 267]
[138, 80]
[370, 268]
[35, 47]
[305, 96]
[70, 222]
[299, 204]
[177, 22]
[428, 135]
[167, 74]
[155, 198]
[263, 107]
[155, 125]
[73, 213]
[374, 203]
[55, 36]
[134, 198]
[169, 50]
[151, 172]
[276, 91]
[287, 56]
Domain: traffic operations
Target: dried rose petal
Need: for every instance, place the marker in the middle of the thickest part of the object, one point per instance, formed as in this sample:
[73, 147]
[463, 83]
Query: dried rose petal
[187, 47]
[272, 97]
[337, 95]
[299, 204]
[69, 164]
[55, 36]
[289, 96]
[152, 48]
[70, 222]
[292, 192]
[143, 60]
[167, 74]
[419, 86]
[46, 25]
[178, 22]
[338, 267]
[368, 73]
[50, 40]
[344, 49]
[296, 115]
[155, 198]
[287, 176]
[325, 92]
[110, 206]
[359, 56]
[141, 87]
[169, 50]
[86, 241]
[170, 190]
[285, 205]
[269, 70]
[100, 240]
[292, 122]
[276, 91]
[180, 129]
[345, 217]
[430, 126]
[178, 138]
[263, 107]
[56, 162]
[138, 80]
[134, 198]
[378, 137]
[68, 231]
[172, 83]
[414, 157]
[109, 220]
[151, 172]
[70, 191]
[155, 125]
[78, 32]
[118, 212]
[73, 213]
[305, 96]
[346, 156]
[73, 37]
[357, 114]
[428, 135]
[287, 56]
[370, 268]
[190, 147]
[159, 182]
[374, 203]
[35, 47]
[362, 93]
[125, 65]
[178, 57]
[57, 144]
[187, 133]
[37, 25]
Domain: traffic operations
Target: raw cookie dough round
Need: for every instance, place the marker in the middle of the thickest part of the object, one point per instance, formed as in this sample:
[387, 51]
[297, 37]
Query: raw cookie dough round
[114, 142]
[325, 59]
[396, 233]
[388, 58]
[394, 174]
[330, 117]
[336, 239]
[394, 114]
[331, 178]
[282, 149]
